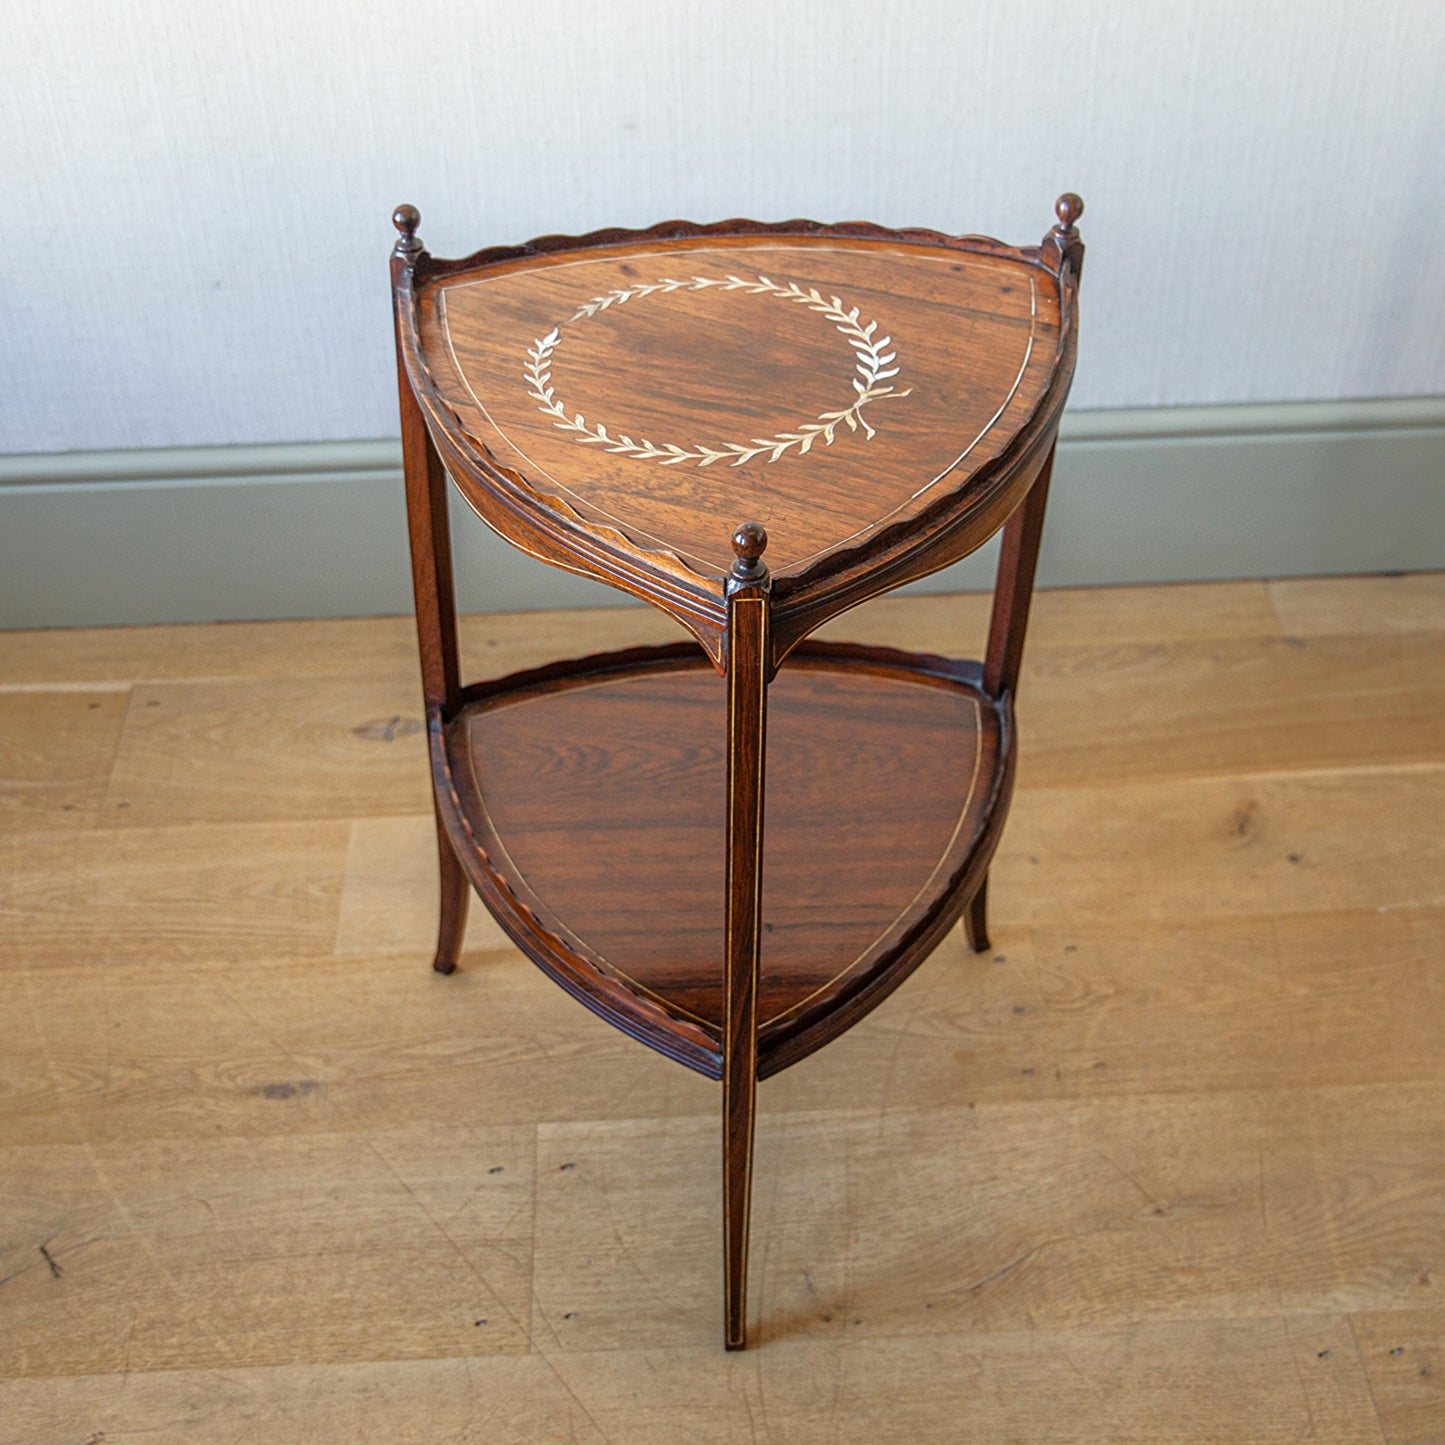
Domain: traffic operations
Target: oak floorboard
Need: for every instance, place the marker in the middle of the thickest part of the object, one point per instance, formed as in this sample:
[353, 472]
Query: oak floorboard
[324, 647]
[1274, 843]
[271, 1250]
[1360, 606]
[92, 1053]
[1301, 1002]
[956, 623]
[299, 750]
[471, 1400]
[1165, 1164]
[389, 897]
[499, 642]
[171, 895]
[1148, 1383]
[194, 652]
[57, 749]
[1178, 612]
[1065, 1214]
[1093, 716]
[1403, 1351]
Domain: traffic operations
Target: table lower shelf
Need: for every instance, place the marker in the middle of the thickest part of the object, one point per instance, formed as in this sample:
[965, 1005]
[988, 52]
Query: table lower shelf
[587, 803]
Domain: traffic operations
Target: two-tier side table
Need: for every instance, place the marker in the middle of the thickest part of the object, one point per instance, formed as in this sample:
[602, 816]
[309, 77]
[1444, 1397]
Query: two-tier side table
[731, 847]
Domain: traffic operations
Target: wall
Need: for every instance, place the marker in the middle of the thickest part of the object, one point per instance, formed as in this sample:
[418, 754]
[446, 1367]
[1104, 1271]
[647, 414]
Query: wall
[195, 534]
[198, 194]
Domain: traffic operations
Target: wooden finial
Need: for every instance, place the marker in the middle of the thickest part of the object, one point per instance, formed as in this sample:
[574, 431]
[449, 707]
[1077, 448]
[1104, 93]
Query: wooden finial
[1063, 240]
[406, 219]
[750, 540]
[1068, 208]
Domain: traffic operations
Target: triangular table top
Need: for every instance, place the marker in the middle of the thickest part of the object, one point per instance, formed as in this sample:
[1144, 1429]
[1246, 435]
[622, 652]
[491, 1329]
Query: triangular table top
[618, 406]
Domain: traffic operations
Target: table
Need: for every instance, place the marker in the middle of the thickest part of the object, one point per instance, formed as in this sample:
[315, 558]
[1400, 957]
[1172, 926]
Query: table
[734, 846]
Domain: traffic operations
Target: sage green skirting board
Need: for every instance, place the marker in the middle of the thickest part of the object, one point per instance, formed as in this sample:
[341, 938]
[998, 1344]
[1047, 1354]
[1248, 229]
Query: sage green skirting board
[200, 534]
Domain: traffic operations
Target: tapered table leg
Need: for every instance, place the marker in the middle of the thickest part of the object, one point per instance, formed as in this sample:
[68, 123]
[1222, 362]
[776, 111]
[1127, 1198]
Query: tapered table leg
[975, 919]
[456, 894]
[434, 593]
[1008, 624]
[1014, 589]
[747, 689]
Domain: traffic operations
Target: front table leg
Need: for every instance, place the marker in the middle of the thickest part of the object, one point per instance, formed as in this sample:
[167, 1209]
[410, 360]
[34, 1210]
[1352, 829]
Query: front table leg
[747, 689]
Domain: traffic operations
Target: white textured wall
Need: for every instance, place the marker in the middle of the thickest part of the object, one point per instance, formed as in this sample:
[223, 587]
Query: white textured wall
[197, 194]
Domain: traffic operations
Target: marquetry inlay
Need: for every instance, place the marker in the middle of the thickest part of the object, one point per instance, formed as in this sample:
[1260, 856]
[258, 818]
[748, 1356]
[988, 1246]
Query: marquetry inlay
[874, 365]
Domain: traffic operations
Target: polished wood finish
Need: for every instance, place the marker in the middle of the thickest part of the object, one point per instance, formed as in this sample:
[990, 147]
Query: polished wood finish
[1170, 1171]
[598, 798]
[1014, 589]
[434, 592]
[975, 918]
[880, 401]
[875, 404]
[1008, 623]
[748, 666]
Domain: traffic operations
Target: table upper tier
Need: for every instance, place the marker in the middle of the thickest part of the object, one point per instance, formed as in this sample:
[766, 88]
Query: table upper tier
[874, 399]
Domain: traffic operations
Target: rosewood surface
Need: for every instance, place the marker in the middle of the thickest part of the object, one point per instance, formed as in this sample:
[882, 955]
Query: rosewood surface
[599, 799]
[878, 402]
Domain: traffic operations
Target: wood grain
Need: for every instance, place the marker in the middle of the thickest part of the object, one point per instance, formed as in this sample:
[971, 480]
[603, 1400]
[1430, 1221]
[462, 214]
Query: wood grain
[1403, 1352]
[57, 749]
[1186, 719]
[1174, 1015]
[1010, 1216]
[60, 657]
[496, 1399]
[222, 751]
[156, 1236]
[701, 368]
[207, 892]
[593, 808]
[1142, 1383]
[389, 897]
[1360, 606]
[1068, 1011]
[686, 434]
[501, 642]
[1272, 843]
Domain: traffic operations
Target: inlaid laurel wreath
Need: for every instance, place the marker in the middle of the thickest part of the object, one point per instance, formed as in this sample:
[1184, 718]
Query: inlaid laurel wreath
[873, 367]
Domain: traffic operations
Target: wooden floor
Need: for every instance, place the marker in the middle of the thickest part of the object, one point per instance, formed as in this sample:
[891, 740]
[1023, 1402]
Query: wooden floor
[1167, 1165]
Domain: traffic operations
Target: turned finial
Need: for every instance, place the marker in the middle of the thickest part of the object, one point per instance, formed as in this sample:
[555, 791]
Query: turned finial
[406, 219]
[1063, 241]
[1068, 208]
[750, 540]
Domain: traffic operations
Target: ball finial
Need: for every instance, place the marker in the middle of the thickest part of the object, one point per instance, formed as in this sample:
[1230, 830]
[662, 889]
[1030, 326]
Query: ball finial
[406, 219]
[750, 540]
[1068, 208]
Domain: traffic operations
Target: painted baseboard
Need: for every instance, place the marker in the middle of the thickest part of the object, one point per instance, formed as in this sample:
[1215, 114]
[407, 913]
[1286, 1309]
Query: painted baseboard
[318, 530]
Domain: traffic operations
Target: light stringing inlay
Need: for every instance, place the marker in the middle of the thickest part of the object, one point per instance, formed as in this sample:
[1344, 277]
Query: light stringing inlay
[873, 367]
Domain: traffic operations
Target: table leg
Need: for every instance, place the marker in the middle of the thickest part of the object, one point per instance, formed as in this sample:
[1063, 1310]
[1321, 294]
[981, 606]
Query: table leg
[1014, 589]
[456, 894]
[436, 631]
[747, 740]
[975, 919]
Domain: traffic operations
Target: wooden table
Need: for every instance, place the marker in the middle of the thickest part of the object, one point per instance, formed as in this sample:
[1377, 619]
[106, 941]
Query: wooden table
[752, 427]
